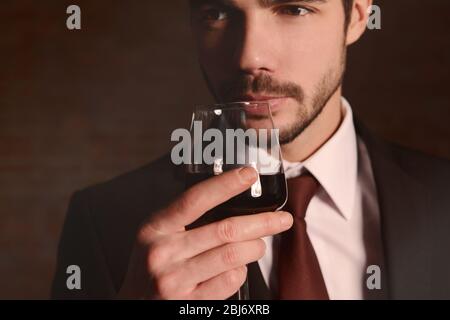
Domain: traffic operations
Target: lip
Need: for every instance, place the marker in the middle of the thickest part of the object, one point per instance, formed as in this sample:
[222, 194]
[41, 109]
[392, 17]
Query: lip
[273, 101]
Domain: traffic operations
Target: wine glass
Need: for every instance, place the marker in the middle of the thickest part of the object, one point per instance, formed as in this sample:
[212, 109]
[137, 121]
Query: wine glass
[234, 135]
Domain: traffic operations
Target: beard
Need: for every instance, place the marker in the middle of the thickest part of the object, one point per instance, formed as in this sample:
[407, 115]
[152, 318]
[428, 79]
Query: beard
[308, 107]
[305, 114]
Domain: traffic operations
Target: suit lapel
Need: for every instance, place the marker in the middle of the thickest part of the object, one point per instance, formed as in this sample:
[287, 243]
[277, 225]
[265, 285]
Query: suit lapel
[403, 207]
[257, 286]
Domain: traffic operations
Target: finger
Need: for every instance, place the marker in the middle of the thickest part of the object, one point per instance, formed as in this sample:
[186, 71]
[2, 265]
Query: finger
[203, 197]
[222, 286]
[234, 229]
[219, 260]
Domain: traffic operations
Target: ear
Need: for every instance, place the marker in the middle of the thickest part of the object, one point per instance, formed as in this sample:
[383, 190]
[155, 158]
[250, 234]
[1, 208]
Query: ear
[358, 21]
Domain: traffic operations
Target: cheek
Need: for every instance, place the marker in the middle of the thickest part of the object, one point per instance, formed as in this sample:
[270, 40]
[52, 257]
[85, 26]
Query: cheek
[310, 53]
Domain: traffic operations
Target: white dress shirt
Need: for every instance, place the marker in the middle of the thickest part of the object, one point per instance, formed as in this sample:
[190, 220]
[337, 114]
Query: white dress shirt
[342, 219]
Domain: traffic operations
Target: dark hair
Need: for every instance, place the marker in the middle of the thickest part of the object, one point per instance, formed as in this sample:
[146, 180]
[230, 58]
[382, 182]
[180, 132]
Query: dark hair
[348, 11]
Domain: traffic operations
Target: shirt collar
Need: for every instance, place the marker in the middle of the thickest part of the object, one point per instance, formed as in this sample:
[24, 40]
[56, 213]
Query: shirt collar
[335, 164]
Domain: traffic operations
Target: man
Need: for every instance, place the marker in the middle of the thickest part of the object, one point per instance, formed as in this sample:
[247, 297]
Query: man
[356, 203]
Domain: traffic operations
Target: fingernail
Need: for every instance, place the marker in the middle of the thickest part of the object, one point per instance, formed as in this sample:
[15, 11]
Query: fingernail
[248, 174]
[286, 219]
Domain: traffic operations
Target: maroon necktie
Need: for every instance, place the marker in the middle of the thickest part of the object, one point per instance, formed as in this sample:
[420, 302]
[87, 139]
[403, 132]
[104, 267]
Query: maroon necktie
[299, 275]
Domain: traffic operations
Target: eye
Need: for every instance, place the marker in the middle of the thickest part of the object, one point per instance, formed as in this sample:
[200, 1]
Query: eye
[214, 14]
[293, 10]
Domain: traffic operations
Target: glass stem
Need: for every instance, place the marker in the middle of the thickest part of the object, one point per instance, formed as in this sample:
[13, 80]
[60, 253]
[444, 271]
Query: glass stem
[243, 293]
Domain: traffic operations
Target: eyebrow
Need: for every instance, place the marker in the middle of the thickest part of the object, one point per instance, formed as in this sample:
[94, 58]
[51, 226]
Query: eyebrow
[262, 3]
[269, 3]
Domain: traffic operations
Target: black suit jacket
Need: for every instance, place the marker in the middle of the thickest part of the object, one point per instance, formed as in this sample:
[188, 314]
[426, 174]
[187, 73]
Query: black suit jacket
[413, 194]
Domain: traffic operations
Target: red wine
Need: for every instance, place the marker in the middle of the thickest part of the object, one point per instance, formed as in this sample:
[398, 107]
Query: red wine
[272, 198]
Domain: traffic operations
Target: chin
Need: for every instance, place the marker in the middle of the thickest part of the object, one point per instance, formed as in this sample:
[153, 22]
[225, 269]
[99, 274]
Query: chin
[283, 118]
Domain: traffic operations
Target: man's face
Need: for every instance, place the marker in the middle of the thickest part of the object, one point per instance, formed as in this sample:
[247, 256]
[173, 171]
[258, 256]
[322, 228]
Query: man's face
[291, 53]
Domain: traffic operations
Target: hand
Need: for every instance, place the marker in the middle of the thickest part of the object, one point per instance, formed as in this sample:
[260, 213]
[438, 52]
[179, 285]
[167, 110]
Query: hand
[169, 262]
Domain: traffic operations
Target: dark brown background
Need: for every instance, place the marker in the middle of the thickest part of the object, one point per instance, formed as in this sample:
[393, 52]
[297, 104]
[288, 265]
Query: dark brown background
[78, 107]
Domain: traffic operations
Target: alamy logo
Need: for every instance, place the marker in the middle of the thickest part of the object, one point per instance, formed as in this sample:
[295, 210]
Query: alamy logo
[374, 279]
[73, 281]
[374, 21]
[73, 22]
[232, 147]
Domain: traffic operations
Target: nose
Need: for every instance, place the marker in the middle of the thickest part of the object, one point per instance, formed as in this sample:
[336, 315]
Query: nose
[255, 51]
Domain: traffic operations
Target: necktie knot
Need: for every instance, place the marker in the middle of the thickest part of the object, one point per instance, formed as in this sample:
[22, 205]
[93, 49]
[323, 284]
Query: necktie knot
[301, 190]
